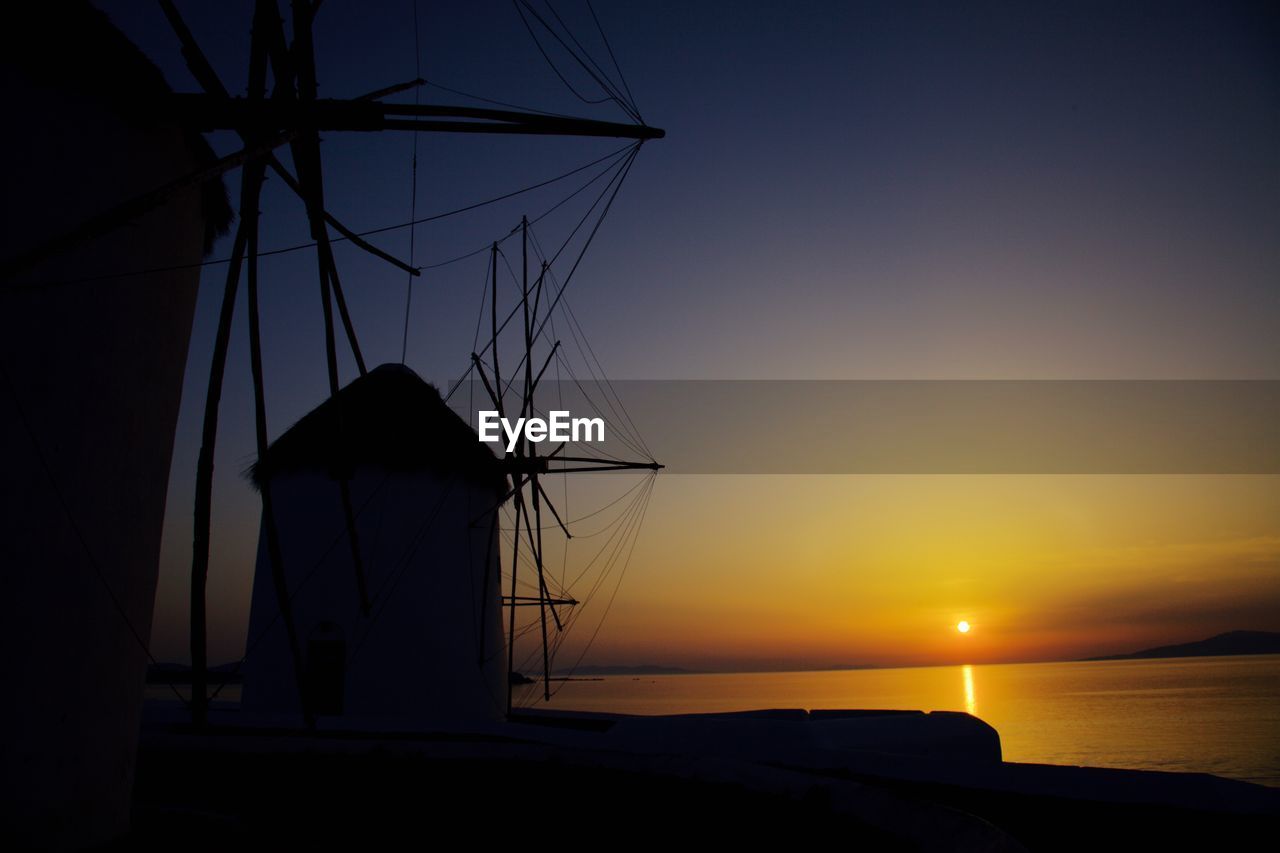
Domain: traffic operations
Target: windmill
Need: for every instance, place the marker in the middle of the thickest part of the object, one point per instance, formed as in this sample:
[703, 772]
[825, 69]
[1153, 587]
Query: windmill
[99, 277]
[525, 466]
[291, 114]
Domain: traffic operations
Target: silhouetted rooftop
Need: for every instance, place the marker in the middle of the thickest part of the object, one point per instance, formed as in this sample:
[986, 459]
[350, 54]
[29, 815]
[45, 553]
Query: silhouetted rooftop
[389, 418]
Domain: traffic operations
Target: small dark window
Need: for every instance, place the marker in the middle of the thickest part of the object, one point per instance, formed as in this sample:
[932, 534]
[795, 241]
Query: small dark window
[326, 669]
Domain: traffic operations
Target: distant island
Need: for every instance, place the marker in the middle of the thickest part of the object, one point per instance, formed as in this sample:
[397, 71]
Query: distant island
[1230, 643]
[661, 669]
[647, 669]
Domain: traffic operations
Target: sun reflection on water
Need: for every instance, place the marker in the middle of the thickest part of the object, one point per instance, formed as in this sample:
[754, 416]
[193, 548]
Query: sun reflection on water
[970, 701]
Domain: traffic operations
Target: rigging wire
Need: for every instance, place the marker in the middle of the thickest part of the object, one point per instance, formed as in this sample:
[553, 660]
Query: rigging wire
[496, 103]
[587, 568]
[626, 170]
[631, 440]
[616, 156]
[475, 342]
[629, 434]
[580, 338]
[614, 183]
[486, 247]
[606, 526]
[627, 523]
[622, 77]
[552, 65]
[564, 478]
[621, 575]
[587, 449]
[624, 542]
[607, 82]
[521, 6]
[613, 546]
[629, 437]
[624, 156]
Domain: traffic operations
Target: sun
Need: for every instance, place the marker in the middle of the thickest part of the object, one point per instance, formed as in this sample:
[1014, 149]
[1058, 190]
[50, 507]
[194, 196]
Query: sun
[963, 627]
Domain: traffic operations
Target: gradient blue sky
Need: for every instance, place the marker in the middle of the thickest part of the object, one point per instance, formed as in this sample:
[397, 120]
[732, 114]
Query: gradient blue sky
[847, 190]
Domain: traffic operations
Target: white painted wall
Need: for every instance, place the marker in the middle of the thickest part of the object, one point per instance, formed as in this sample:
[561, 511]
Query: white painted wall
[96, 369]
[417, 657]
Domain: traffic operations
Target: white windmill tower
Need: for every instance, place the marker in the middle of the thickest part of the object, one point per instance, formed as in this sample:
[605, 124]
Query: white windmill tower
[108, 209]
[393, 634]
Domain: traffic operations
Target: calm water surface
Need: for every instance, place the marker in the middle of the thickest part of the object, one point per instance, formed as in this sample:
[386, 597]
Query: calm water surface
[1216, 715]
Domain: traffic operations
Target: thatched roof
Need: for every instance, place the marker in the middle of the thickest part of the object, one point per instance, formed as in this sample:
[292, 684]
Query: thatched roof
[72, 46]
[389, 418]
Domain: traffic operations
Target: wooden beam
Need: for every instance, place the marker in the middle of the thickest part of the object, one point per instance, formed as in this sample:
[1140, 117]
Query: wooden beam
[250, 189]
[567, 128]
[204, 490]
[542, 589]
[534, 600]
[267, 22]
[378, 94]
[511, 623]
[206, 112]
[197, 62]
[652, 465]
[270, 529]
[341, 301]
[356, 239]
[627, 466]
[547, 498]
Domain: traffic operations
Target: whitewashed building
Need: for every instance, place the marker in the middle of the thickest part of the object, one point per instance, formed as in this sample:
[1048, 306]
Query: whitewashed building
[94, 332]
[424, 492]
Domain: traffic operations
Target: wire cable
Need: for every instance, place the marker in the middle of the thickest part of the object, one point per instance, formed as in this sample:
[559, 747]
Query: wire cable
[631, 98]
[617, 156]
[496, 103]
[604, 80]
[609, 94]
[635, 147]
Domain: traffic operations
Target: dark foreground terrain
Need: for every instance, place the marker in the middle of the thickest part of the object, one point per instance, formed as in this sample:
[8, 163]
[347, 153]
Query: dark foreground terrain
[229, 793]
[383, 800]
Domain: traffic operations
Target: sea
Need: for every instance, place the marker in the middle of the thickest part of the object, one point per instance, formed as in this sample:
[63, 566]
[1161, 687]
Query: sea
[1216, 715]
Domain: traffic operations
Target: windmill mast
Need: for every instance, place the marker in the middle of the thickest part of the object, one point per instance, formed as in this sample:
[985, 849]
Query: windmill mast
[525, 465]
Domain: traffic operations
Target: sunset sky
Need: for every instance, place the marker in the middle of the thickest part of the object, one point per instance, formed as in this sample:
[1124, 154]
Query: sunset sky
[846, 191]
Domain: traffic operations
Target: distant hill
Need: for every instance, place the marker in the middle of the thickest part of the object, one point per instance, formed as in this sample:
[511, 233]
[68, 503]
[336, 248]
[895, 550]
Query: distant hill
[1230, 643]
[649, 669]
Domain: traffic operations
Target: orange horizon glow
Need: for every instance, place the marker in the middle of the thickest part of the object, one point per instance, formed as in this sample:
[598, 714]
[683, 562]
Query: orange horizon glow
[737, 572]
[811, 572]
